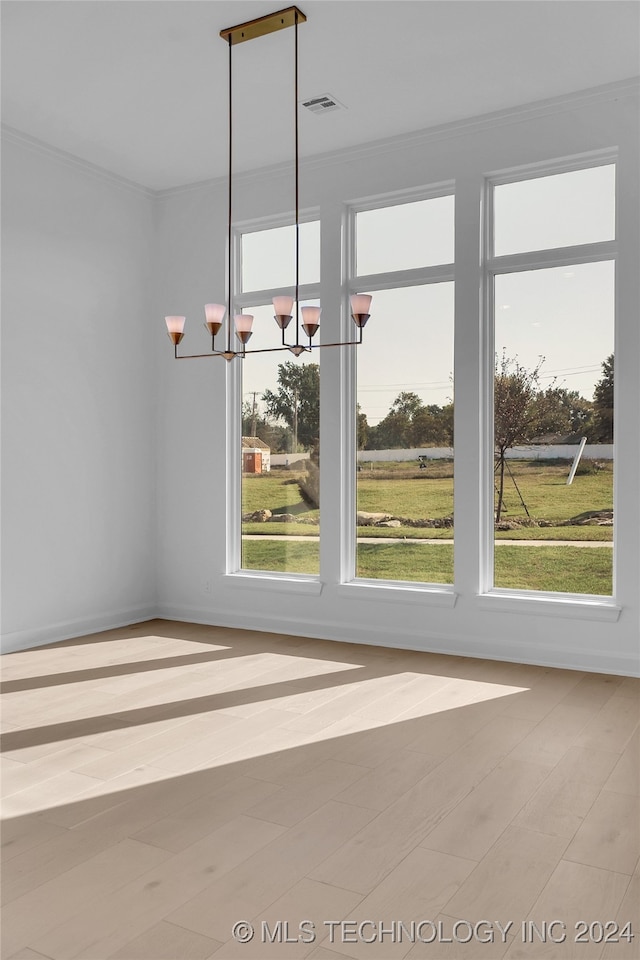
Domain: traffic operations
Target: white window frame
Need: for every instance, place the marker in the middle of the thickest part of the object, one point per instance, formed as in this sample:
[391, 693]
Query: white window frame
[236, 574]
[591, 606]
[350, 585]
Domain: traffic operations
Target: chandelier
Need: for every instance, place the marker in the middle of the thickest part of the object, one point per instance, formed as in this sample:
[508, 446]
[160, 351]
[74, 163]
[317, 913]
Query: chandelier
[307, 319]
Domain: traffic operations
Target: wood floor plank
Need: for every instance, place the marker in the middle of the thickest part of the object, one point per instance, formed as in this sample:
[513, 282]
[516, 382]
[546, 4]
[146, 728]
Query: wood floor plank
[53, 792]
[367, 858]
[55, 763]
[24, 833]
[609, 837]
[471, 829]
[256, 883]
[324, 781]
[414, 891]
[294, 924]
[106, 924]
[613, 726]
[30, 917]
[558, 808]
[574, 893]
[627, 919]
[165, 941]
[556, 733]
[195, 820]
[386, 783]
[625, 776]
[507, 881]
[28, 954]
[450, 938]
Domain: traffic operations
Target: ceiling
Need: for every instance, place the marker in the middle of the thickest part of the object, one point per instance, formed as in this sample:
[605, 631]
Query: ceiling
[139, 87]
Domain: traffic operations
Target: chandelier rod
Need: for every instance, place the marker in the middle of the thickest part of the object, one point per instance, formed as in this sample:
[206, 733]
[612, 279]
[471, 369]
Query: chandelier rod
[297, 175]
[229, 229]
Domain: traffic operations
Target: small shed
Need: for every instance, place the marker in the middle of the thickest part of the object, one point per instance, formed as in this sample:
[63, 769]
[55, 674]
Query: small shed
[256, 455]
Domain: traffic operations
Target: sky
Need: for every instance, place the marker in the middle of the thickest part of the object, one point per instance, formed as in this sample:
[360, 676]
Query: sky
[564, 314]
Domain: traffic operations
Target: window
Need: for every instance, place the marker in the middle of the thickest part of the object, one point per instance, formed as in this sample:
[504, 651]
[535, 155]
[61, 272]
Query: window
[560, 210]
[268, 257]
[553, 383]
[280, 495]
[405, 236]
[404, 485]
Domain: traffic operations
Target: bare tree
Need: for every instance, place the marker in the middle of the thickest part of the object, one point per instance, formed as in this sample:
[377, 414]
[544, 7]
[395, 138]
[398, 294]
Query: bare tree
[519, 409]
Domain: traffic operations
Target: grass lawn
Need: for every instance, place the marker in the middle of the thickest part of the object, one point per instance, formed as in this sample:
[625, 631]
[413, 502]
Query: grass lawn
[277, 491]
[290, 528]
[404, 490]
[413, 498]
[425, 533]
[543, 487]
[563, 569]
[281, 556]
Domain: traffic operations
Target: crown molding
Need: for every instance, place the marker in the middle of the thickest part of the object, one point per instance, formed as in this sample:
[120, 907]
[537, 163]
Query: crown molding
[17, 137]
[629, 87]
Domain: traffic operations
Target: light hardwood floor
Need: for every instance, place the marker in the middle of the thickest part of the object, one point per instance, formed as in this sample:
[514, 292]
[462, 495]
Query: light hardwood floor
[164, 781]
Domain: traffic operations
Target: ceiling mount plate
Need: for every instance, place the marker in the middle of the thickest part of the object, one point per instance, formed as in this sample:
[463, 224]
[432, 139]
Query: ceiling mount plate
[263, 25]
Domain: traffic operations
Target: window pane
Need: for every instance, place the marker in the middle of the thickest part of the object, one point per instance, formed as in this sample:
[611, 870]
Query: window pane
[556, 211]
[280, 455]
[404, 237]
[405, 437]
[269, 257]
[553, 386]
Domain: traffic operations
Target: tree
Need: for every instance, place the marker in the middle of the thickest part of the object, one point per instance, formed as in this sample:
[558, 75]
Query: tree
[297, 402]
[407, 404]
[603, 404]
[518, 411]
[362, 427]
[432, 426]
[564, 411]
[409, 423]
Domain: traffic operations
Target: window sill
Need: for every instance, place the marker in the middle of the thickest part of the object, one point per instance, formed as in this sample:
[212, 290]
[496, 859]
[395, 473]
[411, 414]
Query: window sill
[551, 605]
[274, 582]
[401, 592]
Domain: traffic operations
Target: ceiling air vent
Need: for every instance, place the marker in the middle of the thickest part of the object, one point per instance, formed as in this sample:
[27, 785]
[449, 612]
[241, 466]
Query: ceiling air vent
[323, 104]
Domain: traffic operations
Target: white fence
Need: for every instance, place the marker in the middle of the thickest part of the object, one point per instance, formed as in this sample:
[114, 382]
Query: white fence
[552, 451]
[555, 451]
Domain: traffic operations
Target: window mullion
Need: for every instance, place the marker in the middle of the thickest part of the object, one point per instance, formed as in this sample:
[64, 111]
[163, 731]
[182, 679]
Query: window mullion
[402, 278]
[555, 257]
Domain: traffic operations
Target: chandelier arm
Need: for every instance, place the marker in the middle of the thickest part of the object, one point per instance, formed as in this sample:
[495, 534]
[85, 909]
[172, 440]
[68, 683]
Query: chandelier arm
[200, 356]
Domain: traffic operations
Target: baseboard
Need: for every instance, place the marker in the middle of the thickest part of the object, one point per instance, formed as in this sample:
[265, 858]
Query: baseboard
[66, 630]
[543, 655]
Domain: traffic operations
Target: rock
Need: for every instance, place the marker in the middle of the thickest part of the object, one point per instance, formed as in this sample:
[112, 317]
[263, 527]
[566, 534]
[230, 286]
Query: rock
[370, 519]
[282, 518]
[388, 523]
[258, 516]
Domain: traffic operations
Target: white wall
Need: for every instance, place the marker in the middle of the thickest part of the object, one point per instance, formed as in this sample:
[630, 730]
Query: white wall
[78, 418]
[192, 439]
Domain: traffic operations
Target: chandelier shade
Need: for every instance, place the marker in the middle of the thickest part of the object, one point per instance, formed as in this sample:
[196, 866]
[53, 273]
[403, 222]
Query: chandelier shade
[307, 318]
